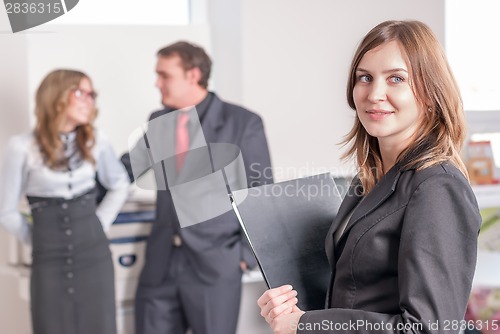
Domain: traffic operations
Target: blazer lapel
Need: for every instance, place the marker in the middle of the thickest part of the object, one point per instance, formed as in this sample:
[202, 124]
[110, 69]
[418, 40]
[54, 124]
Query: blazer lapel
[213, 119]
[160, 139]
[382, 191]
[162, 146]
[350, 201]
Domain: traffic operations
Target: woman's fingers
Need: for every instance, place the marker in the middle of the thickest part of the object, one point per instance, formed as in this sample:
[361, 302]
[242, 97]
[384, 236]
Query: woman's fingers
[284, 308]
[277, 301]
[272, 293]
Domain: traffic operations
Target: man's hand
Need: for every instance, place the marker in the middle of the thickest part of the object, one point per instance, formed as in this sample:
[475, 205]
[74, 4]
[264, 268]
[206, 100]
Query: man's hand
[243, 266]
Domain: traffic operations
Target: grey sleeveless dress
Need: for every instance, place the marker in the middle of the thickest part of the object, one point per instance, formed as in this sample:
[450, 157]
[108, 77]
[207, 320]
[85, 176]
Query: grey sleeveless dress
[72, 280]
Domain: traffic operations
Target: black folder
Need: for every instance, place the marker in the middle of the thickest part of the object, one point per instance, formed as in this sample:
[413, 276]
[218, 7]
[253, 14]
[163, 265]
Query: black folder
[286, 225]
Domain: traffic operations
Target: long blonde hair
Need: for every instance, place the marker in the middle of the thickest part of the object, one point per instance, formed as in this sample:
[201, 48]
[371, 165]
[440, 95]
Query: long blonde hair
[52, 98]
[441, 133]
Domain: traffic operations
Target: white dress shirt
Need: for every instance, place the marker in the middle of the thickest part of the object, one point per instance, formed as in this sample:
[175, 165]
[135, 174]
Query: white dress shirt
[24, 173]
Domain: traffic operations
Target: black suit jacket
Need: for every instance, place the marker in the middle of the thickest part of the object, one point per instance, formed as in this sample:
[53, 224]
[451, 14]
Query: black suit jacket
[214, 247]
[406, 257]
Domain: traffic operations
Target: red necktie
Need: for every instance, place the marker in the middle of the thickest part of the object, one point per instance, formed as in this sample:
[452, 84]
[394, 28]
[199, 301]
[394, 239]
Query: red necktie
[182, 139]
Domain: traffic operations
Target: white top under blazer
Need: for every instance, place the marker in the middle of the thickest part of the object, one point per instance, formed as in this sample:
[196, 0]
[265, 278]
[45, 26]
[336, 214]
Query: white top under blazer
[24, 173]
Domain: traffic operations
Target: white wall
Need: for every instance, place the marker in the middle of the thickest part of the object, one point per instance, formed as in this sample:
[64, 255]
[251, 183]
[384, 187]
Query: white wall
[225, 25]
[295, 58]
[472, 47]
[127, 12]
[13, 82]
[14, 119]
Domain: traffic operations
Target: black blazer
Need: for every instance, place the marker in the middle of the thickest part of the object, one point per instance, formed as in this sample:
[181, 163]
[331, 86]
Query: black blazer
[215, 247]
[406, 257]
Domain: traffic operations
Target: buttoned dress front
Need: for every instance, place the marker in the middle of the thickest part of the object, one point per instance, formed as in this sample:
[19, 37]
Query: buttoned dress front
[72, 279]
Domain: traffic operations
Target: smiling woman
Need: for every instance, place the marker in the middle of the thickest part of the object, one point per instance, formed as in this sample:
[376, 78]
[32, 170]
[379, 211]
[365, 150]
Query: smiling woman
[385, 103]
[403, 251]
[420, 81]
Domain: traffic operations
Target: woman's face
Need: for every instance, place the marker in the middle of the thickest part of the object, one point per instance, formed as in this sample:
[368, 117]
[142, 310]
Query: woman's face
[385, 103]
[80, 106]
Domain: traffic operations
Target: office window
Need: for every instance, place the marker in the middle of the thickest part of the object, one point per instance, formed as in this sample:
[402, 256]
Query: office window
[127, 12]
[472, 32]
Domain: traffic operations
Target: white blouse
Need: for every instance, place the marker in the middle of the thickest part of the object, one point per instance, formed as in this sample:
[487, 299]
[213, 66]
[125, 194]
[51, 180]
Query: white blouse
[24, 173]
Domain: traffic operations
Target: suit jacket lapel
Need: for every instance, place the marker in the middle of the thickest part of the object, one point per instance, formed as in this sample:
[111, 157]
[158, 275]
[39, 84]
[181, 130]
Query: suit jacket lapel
[160, 137]
[382, 191]
[351, 199]
[213, 119]
[161, 145]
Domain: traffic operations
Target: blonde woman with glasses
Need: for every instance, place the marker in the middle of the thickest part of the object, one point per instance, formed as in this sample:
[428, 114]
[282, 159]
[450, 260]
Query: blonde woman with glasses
[55, 166]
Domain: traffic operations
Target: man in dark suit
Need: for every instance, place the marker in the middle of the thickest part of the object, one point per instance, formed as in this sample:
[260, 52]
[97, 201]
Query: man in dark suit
[192, 275]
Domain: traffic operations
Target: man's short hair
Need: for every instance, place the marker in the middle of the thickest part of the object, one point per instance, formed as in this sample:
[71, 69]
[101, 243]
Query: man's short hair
[191, 56]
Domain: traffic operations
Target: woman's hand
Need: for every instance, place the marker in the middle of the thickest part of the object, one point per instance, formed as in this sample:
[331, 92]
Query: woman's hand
[278, 307]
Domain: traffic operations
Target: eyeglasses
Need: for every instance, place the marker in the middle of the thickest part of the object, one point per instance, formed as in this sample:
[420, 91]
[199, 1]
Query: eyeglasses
[82, 94]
